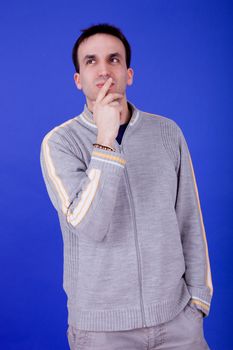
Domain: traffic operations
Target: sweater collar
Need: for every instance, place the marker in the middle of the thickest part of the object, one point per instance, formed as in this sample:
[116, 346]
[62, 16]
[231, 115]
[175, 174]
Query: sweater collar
[87, 116]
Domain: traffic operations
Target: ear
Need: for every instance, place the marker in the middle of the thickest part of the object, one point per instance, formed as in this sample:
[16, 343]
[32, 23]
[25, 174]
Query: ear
[77, 81]
[130, 74]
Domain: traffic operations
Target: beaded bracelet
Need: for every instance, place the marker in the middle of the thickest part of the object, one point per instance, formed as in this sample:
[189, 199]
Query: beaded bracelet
[104, 147]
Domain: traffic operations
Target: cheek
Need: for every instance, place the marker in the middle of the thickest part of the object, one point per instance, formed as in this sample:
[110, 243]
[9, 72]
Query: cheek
[122, 78]
[85, 83]
[84, 78]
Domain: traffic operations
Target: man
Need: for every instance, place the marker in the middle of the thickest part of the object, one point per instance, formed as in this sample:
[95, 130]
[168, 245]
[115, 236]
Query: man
[136, 266]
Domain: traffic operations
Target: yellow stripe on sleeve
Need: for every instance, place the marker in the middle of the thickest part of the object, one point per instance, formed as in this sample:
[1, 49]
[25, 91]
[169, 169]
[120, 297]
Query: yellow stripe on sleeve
[109, 156]
[64, 198]
[198, 302]
[208, 272]
[75, 217]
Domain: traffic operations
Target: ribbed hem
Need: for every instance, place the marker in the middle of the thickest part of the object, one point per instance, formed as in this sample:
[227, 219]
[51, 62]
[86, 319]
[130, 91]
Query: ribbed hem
[129, 318]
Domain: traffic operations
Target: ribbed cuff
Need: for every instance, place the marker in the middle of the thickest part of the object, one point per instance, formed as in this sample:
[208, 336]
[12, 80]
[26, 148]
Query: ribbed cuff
[107, 160]
[201, 298]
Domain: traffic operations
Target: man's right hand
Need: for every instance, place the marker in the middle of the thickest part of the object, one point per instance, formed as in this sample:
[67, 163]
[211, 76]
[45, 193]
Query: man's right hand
[106, 114]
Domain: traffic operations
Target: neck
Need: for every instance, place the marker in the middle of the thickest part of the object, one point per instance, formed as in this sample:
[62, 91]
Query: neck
[126, 113]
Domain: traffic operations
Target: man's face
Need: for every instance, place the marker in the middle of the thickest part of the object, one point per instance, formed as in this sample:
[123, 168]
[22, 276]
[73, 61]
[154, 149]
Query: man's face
[102, 56]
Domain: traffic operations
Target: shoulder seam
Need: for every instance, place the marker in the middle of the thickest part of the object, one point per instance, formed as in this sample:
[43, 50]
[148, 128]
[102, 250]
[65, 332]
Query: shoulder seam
[161, 118]
[60, 126]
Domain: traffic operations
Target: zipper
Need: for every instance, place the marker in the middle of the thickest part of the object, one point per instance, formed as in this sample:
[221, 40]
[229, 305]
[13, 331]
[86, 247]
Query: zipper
[136, 239]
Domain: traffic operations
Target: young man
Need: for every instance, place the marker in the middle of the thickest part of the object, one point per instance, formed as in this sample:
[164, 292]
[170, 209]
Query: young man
[136, 266]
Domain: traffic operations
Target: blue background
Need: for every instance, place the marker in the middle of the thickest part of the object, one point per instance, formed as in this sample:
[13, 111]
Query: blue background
[182, 57]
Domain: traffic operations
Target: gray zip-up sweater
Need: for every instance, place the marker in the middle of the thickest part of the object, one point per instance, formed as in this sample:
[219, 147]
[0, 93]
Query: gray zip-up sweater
[135, 249]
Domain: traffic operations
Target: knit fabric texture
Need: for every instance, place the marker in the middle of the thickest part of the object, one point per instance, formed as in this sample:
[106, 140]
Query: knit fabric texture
[135, 247]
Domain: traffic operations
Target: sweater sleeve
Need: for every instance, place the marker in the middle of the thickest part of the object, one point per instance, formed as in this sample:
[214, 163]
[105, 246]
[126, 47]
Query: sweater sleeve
[84, 194]
[197, 265]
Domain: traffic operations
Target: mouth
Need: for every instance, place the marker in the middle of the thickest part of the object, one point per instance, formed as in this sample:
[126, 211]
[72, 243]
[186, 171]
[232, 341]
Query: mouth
[102, 84]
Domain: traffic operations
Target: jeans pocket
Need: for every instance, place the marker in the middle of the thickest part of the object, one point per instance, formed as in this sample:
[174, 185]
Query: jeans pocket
[77, 337]
[191, 312]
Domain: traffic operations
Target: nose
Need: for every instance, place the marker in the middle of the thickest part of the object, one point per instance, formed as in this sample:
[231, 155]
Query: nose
[103, 70]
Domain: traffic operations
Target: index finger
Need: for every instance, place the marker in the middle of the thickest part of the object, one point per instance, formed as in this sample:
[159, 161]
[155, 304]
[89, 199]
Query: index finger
[104, 89]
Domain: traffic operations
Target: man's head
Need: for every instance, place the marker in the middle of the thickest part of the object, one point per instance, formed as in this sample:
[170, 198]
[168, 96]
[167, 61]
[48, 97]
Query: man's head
[104, 29]
[101, 51]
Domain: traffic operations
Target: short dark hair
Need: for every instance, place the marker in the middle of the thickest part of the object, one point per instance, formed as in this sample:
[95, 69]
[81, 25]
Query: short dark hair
[100, 28]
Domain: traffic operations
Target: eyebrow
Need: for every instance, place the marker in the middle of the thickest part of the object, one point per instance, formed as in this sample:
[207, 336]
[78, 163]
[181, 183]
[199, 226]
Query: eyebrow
[114, 54]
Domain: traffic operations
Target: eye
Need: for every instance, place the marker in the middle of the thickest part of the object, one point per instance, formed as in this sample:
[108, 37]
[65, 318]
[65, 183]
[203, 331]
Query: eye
[115, 58]
[90, 60]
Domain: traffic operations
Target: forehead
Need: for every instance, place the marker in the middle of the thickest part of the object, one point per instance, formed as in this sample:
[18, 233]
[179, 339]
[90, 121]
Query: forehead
[100, 44]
